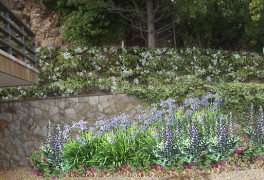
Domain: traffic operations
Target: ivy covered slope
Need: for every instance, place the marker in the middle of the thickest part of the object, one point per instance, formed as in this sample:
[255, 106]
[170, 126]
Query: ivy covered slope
[150, 74]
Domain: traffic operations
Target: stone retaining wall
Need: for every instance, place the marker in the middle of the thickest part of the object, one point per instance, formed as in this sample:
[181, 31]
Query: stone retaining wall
[23, 123]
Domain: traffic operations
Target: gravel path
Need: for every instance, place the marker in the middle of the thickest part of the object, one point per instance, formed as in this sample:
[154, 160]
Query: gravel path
[250, 174]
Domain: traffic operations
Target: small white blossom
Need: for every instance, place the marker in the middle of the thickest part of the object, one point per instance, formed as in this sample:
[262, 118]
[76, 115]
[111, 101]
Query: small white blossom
[236, 56]
[67, 55]
[136, 81]
[38, 49]
[78, 50]
[137, 68]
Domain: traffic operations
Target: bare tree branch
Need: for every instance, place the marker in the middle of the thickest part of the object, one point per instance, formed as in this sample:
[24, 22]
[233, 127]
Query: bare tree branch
[165, 37]
[142, 35]
[157, 7]
[164, 15]
[140, 13]
[133, 24]
[164, 28]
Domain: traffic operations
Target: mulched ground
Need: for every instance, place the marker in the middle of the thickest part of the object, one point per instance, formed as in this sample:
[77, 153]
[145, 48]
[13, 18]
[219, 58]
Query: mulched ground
[224, 173]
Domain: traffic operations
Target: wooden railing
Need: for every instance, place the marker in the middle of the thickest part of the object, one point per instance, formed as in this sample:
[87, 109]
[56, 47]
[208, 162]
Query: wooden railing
[13, 32]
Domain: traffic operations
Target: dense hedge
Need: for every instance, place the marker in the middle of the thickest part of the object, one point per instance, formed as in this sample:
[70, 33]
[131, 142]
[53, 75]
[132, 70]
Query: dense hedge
[236, 97]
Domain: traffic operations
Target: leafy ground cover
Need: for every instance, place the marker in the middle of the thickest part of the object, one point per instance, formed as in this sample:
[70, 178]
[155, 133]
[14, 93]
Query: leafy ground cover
[65, 72]
[166, 137]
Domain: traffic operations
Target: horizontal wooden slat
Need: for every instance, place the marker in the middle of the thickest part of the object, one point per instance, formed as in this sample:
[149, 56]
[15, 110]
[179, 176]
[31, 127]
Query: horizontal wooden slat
[15, 69]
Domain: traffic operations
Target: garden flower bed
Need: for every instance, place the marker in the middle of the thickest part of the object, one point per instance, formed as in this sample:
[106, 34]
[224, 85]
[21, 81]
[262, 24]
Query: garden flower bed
[167, 140]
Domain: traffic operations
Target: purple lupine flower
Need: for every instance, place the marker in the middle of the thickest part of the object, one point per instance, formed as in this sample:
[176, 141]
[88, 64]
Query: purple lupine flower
[57, 152]
[251, 116]
[232, 125]
[259, 124]
[222, 136]
[194, 137]
[166, 135]
[211, 124]
[62, 137]
[56, 140]
[47, 137]
[204, 126]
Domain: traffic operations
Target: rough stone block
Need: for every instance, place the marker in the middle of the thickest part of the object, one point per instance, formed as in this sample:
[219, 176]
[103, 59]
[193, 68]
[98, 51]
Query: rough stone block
[34, 103]
[132, 113]
[29, 151]
[11, 109]
[135, 100]
[49, 103]
[13, 164]
[53, 110]
[15, 158]
[18, 143]
[2, 153]
[79, 106]
[14, 126]
[55, 118]
[74, 99]
[129, 107]
[100, 108]
[83, 99]
[37, 111]
[6, 117]
[4, 164]
[3, 126]
[7, 156]
[43, 106]
[91, 115]
[102, 99]
[23, 163]
[119, 106]
[70, 112]
[21, 152]
[16, 105]
[105, 104]
[110, 110]
[36, 144]
[31, 112]
[94, 100]
[61, 105]
[39, 131]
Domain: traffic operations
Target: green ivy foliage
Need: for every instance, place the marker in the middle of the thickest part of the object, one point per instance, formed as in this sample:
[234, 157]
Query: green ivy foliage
[69, 71]
[150, 74]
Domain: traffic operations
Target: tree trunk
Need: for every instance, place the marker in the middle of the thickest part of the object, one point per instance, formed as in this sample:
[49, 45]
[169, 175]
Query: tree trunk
[151, 25]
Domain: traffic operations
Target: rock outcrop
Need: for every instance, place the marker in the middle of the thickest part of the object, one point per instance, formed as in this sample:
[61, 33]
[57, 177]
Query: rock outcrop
[42, 20]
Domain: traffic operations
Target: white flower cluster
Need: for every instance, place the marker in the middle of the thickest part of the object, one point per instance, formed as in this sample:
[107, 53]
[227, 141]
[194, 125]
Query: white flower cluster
[113, 49]
[136, 81]
[38, 49]
[97, 67]
[67, 55]
[78, 50]
[237, 56]
[128, 72]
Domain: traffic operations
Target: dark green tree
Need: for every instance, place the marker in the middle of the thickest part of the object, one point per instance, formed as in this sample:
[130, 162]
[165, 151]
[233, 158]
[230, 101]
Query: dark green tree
[153, 18]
